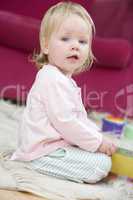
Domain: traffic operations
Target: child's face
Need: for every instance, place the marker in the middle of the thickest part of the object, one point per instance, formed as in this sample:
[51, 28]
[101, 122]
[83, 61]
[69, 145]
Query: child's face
[68, 47]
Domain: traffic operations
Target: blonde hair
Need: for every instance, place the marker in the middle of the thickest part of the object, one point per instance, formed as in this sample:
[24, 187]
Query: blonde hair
[52, 20]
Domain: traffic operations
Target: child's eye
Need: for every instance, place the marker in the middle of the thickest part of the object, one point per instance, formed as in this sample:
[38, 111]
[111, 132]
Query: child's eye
[64, 39]
[82, 41]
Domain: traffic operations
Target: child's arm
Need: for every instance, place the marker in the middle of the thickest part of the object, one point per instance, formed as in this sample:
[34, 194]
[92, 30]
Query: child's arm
[60, 103]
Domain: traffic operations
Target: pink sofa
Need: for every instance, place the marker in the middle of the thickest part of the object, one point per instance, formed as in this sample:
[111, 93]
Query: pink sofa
[108, 86]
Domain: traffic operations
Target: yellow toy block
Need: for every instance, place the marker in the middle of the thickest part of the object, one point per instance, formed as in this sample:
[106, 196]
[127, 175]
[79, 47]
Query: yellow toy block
[122, 160]
[122, 165]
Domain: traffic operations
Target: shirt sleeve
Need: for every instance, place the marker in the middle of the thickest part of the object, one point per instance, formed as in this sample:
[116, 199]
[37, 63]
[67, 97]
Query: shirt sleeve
[60, 106]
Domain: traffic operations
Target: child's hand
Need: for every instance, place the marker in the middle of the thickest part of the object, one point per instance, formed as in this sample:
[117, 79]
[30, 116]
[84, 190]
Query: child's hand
[107, 146]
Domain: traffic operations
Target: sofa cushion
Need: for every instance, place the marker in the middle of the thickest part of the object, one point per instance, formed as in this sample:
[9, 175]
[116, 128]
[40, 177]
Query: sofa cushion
[19, 31]
[114, 53]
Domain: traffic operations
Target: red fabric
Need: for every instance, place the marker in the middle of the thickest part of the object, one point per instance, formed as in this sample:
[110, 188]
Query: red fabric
[36, 8]
[24, 31]
[108, 90]
[16, 74]
[113, 18]
[111, 52]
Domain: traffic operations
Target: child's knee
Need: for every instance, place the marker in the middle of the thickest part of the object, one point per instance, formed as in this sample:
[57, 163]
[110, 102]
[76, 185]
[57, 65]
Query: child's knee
[103, 168]
[107, 164]
[101, 171]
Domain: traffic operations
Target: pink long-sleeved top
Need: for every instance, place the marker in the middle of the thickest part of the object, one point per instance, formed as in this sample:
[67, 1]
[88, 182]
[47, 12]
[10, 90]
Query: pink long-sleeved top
[54, 117]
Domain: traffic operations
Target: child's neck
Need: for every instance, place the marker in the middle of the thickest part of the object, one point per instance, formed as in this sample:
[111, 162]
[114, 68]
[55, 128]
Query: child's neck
[69, 75]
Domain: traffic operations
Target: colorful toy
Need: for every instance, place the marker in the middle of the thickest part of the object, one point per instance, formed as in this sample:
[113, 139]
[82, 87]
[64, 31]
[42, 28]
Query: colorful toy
[122, 164]
[122, 160]
[113, 124]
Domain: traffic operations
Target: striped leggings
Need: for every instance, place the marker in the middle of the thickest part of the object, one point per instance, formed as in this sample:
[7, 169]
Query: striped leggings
[74, 164]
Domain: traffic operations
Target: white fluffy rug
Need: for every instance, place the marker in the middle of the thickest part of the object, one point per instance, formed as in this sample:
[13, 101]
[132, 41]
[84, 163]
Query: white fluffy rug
[19, 176]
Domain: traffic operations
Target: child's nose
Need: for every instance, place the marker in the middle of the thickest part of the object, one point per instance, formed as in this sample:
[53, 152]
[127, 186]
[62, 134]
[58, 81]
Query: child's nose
[75, 46]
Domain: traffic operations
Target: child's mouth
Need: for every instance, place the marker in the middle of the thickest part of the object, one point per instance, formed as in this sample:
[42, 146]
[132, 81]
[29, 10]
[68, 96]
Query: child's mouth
[73, 57]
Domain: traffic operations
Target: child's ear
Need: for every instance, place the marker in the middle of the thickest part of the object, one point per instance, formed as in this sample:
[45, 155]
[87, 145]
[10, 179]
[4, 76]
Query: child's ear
[45, 48]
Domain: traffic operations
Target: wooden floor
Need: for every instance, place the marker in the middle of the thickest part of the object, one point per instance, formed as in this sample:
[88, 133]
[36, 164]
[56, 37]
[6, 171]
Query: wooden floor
[13, 195]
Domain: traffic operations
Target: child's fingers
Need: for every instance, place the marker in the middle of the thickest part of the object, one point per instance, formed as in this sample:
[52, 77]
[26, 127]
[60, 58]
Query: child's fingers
[114, 148]
[109, 152]
[111, 149]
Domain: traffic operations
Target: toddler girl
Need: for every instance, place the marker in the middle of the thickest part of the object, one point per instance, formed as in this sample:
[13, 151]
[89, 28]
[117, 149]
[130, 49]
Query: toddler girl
[55, 135]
